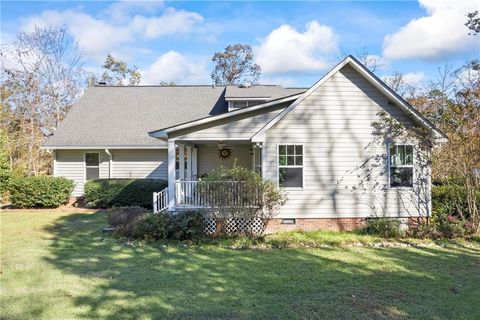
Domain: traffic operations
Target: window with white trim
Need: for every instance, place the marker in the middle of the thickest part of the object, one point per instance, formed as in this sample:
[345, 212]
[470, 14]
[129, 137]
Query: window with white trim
[401, 165]
[92, 165]
[290, 165]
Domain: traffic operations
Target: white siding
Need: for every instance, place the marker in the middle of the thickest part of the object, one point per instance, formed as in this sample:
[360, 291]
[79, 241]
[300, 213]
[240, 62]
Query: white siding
[207, 158]
[334, 124]
[126, 164]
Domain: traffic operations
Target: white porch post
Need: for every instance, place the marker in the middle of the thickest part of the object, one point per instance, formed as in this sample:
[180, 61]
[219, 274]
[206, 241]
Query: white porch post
[194, 164]
[189, 163]
[181, 161]
[171, 174]
[264, 157]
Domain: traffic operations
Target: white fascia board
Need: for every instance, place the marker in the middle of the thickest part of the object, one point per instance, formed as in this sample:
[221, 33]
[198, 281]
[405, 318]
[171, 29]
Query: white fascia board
[247, 99]
[260, 135]
[163, 134]
[63, 147]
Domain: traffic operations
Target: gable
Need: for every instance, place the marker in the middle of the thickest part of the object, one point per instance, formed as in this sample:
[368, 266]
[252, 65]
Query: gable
[343, 108]
[355, 73]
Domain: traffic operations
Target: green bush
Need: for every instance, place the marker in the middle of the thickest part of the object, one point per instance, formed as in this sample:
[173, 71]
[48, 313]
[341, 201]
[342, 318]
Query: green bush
[151, 226]
[451, 200]
[124, 220]
[107, 193]
[138, 223]
[39, 192]
[383, 227]
[186, 225]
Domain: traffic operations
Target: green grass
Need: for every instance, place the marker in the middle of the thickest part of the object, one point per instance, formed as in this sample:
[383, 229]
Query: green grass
[59, 265]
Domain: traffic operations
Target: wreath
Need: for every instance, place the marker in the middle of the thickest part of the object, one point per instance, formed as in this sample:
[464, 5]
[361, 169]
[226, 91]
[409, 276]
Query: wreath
[224, 153]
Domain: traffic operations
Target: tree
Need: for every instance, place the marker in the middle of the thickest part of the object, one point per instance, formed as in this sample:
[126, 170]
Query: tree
[368, 60]
[453, 104]
[116, 73]
[235, 65]
[41, 78]
[473, 22]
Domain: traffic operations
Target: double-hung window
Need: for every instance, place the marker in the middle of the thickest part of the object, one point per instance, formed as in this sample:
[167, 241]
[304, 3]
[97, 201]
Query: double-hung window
[92, 165]
[290, 165]
[401, 165]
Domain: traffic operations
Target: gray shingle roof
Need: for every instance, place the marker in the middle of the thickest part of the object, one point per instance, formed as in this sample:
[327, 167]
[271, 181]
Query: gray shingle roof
[107, 116]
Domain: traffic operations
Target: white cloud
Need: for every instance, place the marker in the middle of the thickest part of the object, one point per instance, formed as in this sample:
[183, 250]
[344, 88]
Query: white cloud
[441, 32]
[171, 22]
[98, 37]
[287, 50]
[173, 66]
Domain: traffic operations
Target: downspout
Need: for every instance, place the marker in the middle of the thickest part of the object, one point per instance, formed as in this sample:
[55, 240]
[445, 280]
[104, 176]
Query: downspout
[109, 163]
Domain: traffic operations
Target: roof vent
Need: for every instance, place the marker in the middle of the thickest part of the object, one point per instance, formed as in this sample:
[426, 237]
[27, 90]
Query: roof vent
[245, 85]
[101, 83]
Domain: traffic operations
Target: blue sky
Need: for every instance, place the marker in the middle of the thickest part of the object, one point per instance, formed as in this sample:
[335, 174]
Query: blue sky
[295, 42]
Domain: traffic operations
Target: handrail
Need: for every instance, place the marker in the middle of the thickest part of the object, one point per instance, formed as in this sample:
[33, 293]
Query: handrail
[160, 201]
[211, 194]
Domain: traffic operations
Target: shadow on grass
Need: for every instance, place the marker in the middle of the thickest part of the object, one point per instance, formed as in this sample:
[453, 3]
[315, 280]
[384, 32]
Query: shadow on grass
[172, 281]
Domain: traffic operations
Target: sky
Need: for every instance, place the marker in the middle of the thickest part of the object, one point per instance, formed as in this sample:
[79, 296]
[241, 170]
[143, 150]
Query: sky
[295, 43]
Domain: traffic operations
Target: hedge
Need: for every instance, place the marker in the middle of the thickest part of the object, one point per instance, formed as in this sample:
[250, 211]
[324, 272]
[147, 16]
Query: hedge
[40, 192]
[107, 193]
[450, 200]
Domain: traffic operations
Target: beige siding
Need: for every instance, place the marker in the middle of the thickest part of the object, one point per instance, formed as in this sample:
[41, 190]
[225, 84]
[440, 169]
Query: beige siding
[334, 124]
[125, 164]
[140, 164]
[207, 158]
[71, 164]
[239, 128]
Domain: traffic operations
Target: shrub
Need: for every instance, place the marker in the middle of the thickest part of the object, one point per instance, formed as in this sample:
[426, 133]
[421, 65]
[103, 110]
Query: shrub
[150, 227]
[124, 220]
[249, 198]
[106, 193]
[186, 225]
[449, 226]
[384, 227]
[40, 192]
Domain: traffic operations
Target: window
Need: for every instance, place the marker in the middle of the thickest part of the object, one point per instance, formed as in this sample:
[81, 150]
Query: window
[401, 165]
[234, 105]
[290, 166]
[92, 166]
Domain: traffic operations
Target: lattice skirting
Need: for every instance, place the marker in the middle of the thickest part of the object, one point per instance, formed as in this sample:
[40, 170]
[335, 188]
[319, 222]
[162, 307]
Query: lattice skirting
[233, 226]
[210, 226]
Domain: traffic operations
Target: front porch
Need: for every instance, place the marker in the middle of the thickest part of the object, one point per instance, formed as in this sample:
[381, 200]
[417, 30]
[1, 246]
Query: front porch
[189, 161]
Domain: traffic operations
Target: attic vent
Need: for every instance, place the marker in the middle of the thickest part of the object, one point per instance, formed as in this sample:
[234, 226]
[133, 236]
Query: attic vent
[245, 85]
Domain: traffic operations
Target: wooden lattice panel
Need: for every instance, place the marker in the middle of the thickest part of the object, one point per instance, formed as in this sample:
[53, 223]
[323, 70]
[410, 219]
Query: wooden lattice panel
[241, 225]
[210, 226]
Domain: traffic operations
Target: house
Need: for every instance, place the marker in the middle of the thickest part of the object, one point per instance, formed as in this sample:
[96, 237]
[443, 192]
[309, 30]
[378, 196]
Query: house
[319, 144]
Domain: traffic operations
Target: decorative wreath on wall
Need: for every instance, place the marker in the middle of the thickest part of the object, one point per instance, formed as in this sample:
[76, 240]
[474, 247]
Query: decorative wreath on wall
[224, 153]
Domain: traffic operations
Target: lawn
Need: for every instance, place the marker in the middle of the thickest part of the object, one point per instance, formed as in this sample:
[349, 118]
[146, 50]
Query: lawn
[59, 265]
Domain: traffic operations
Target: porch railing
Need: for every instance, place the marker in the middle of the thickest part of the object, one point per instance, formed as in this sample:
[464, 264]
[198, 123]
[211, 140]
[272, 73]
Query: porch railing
[211, 194]
[160, 201]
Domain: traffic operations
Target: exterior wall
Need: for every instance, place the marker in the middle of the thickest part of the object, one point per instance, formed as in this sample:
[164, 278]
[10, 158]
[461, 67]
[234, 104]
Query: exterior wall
[242, 127]
[307, 224]
[126, 164]
[345, 168]
[207, 158]
[150, 164]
